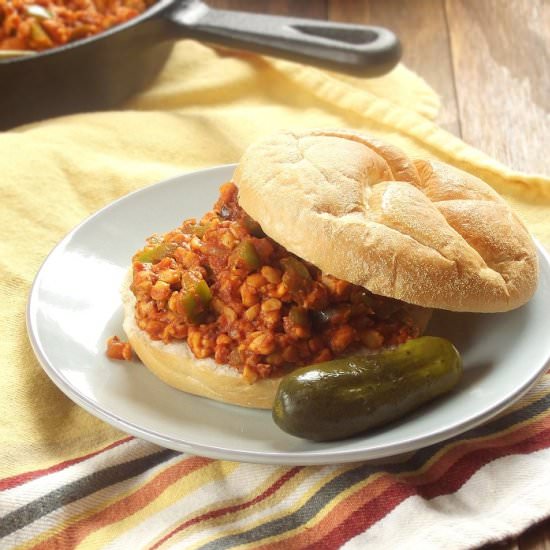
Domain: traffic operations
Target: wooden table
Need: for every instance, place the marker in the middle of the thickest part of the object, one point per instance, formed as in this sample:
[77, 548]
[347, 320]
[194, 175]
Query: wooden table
[489, 60]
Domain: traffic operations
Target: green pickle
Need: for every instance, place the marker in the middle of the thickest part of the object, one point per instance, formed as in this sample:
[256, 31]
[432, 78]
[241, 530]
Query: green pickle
[345, 397]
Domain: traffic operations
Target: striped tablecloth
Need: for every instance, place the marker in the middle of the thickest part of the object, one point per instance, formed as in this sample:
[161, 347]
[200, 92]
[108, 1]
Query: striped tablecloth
[69, 480]
[487, 484]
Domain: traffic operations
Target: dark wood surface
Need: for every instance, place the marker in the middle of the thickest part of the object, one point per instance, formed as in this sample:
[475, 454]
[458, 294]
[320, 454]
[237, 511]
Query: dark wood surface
[489, 60]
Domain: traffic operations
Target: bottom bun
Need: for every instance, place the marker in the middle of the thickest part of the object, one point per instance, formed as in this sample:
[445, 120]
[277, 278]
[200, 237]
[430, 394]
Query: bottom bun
[175, 364]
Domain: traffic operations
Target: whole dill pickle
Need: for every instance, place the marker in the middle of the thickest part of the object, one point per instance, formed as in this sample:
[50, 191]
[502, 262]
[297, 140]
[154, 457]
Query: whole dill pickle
[344, 397]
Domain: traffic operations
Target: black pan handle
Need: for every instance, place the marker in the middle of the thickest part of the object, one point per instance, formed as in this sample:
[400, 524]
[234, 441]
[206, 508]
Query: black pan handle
[356, 49]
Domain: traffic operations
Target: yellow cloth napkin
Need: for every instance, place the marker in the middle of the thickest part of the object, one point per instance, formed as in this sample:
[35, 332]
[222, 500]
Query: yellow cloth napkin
[204, 109]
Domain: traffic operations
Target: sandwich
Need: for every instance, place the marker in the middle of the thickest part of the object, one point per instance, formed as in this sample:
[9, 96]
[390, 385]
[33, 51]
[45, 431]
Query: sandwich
[325, 244]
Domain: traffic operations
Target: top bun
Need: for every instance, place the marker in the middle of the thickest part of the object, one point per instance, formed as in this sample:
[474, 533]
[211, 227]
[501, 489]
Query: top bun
[362, 210]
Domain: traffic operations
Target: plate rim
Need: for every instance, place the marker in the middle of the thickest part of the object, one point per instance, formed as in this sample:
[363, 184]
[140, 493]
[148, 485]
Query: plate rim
[287, 458]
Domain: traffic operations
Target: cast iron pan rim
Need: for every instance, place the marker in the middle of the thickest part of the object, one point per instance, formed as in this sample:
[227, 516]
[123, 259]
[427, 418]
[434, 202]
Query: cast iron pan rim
[157, 8]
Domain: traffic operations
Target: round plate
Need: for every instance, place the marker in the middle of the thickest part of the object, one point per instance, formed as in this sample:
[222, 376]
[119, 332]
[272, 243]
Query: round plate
[74, 306]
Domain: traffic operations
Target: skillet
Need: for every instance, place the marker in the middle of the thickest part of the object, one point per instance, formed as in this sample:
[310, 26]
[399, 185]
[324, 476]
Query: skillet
[102, 71]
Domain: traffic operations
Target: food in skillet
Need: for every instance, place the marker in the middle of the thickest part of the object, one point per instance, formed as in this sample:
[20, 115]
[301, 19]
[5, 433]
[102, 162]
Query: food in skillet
[43, 24]
[326, 245]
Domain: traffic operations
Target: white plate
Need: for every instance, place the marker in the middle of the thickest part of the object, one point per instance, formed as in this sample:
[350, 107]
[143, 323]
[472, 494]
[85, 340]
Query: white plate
[74, 307]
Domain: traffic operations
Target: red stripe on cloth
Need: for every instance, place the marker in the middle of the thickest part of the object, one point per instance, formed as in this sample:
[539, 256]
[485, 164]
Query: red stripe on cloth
[365, 516]
[450, 456]
[289, 474]
[444, 476]
[308, 537]
[73, 533]
[375, 509]
[25, 477]
[467, 466]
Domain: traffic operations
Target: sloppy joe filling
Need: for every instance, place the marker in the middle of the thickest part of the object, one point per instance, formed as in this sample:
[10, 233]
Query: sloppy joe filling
[44, 24]
[240, 298]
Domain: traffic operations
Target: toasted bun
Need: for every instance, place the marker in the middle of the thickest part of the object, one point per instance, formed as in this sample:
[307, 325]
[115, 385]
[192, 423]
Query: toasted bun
[361, 210]
[176, 365]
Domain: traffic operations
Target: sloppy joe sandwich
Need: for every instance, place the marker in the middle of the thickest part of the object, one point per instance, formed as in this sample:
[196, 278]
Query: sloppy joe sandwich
[325, 244]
